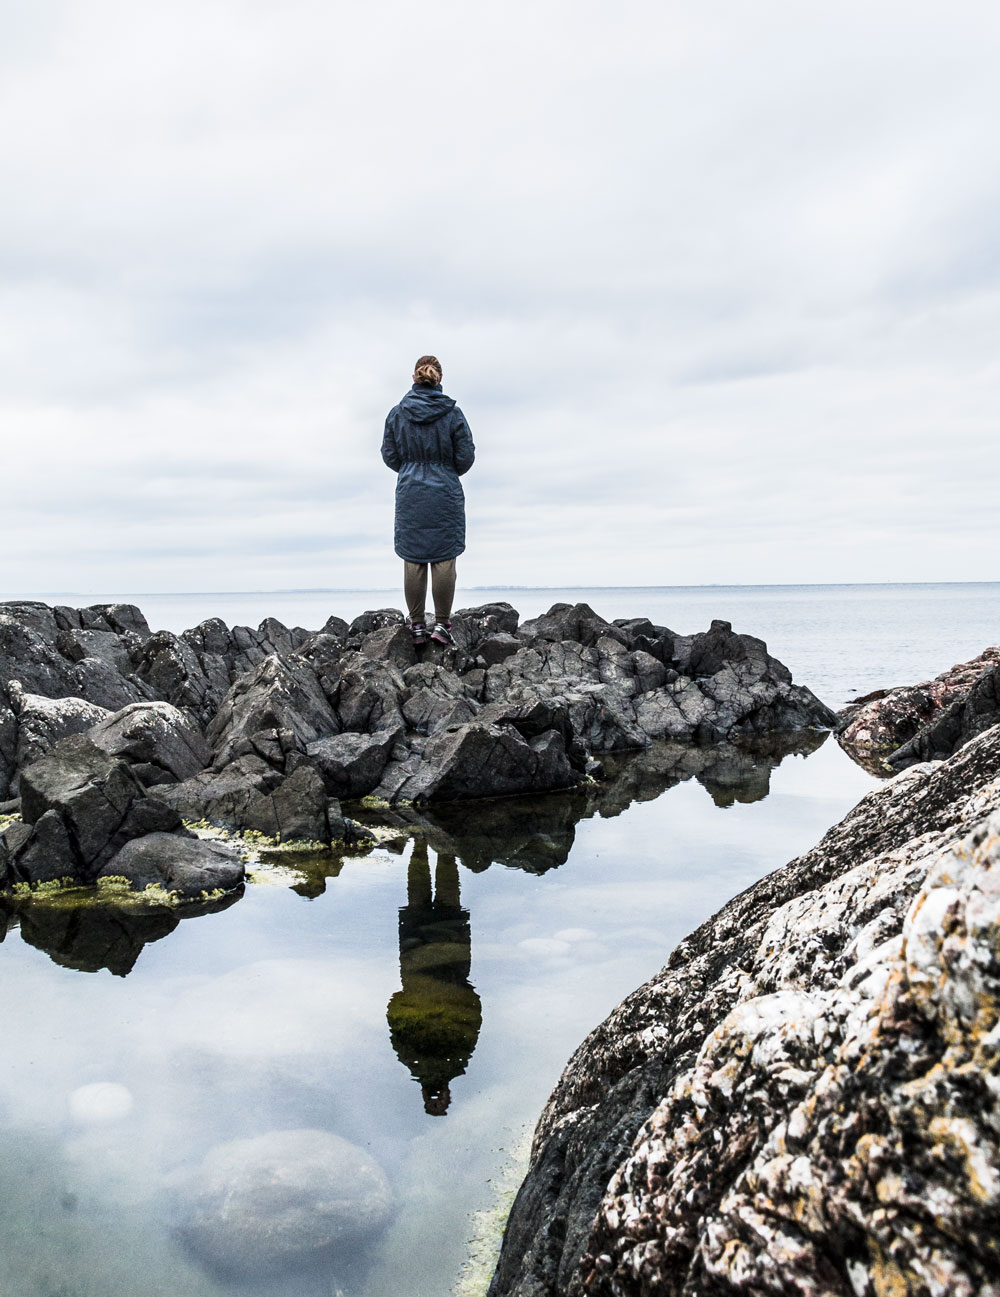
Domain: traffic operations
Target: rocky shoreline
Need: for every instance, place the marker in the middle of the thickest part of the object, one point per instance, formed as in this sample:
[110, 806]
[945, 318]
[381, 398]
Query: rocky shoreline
[807, 1098]
[890, 729]
[114, 739]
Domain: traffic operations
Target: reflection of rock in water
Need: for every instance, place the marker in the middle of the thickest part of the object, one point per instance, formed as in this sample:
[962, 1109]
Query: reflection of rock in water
[88, 936]
[434, 1020]
[537, 833]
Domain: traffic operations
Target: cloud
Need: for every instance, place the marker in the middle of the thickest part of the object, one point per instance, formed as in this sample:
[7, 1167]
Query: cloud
[717, 288]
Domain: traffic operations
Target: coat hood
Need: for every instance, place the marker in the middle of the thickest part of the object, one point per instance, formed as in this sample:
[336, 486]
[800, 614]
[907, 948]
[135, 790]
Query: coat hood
[425, 404]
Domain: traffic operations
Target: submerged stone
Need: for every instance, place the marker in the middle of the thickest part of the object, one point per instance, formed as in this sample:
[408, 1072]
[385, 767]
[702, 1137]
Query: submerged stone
[281, 1200]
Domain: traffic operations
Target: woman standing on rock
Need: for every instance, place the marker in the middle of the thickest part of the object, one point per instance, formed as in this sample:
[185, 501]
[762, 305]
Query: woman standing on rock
[428, 443]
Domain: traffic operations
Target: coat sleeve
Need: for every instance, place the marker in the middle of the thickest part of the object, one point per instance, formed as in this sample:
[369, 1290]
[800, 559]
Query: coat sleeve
[390, 451]
[463, 449]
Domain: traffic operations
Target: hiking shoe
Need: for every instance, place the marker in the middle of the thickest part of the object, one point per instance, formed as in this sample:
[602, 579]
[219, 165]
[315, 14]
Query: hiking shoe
[419, 632]
[441, 633]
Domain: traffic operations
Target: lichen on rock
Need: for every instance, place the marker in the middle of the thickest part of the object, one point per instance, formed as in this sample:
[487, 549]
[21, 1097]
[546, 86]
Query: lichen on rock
[806, 1099]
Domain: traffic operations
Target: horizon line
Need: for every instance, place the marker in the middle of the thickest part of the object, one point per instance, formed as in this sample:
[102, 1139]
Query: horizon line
[374, 589]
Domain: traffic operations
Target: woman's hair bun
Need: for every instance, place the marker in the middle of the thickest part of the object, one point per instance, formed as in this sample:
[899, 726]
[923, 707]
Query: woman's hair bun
[427, 370]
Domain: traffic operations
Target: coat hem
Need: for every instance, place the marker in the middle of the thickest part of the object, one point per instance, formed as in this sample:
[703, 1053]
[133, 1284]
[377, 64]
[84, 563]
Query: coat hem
[441, 558]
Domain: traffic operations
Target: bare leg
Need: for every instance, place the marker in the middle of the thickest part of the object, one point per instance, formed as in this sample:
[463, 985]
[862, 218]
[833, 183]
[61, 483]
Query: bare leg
[443, 589]
[415, 591]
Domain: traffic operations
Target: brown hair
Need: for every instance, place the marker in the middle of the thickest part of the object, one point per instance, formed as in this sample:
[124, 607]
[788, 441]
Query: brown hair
[427, 371]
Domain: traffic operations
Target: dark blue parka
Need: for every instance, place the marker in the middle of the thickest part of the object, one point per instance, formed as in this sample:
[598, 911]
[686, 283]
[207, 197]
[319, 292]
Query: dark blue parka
[428, 443]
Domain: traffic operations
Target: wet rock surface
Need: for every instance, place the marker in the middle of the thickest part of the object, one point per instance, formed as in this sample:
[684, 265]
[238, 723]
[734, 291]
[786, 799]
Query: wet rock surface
[805, 1099]
[269, 729]
[893, 728]
[186, 867]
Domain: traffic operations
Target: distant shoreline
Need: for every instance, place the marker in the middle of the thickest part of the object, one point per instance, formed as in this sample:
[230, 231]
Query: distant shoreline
[391, 589]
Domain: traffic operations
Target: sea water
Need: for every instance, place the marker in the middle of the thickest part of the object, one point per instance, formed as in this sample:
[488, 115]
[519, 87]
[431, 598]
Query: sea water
[134, 1045]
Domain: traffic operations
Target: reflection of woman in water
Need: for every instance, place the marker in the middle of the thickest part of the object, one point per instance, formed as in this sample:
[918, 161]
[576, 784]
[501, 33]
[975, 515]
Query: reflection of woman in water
[434, 1020]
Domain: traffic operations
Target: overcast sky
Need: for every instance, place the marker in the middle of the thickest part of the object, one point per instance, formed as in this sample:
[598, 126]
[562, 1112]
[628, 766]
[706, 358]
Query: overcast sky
[716, 284]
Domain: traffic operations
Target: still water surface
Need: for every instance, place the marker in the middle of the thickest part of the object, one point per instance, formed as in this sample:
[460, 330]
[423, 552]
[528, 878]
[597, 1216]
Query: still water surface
[419, 1001]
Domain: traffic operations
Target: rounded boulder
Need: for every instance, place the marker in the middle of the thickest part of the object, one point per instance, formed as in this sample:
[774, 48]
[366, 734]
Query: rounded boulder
[281, 1199]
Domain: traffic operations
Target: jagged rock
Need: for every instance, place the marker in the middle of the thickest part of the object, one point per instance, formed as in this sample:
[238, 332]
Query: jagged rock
[875, 726]
[367, 693]
[276, 1200]
[477, 760]
[650, 673]
[39, 853]
[295, 810]
[335, 627]
[281, 694]
[372, 621]
[176, 673]
[42, 722]
[800, 1101]
[563, 621]
[435, 697]
[158, 740]
[99, 802]
[186, 866]
[8, 743]
[223, 796]
[103, 645]
[472, 627]
[641, 635]
[29, 656]
[497, 648]
[266, 696]
[351, 765]
[953, 727]
[122, 619]
[390, 644]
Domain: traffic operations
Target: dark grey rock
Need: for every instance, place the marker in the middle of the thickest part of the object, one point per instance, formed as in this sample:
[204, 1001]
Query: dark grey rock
[175, 671]
[497, 648]
[268, 695]
[367, 695]
[390, 644]
[642, 635]
[222, 797]
[154, 737]
[41, 853]
[281, 694]
[99, 682]
[351, 765]
[563, 621]
[186, 866]
[123, 619]
[8, 743]
[650, 673]
[435, 697]
[104, 645]
[374, 620]
[471, 627]
[479, 760]
[294, 811]
[42, 722]
[98, 799]
[335, 627]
